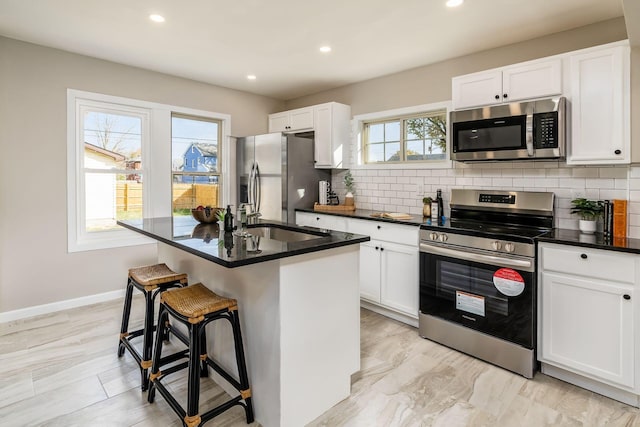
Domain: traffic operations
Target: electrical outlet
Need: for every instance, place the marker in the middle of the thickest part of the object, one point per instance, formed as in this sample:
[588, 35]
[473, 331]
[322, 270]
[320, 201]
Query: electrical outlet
[578, 194]
[420, 189]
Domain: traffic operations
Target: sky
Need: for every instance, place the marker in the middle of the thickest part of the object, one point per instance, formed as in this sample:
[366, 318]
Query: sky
[126, 131]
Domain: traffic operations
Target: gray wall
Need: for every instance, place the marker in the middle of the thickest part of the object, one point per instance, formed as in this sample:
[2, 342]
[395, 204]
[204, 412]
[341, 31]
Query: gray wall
[35, 267]
[432, 83]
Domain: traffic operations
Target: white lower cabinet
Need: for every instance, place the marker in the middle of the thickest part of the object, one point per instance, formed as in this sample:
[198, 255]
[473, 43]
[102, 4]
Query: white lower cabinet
[586, 326]
[389, 263]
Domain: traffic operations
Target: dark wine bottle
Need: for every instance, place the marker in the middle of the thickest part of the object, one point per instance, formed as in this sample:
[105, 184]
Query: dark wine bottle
[440, 205]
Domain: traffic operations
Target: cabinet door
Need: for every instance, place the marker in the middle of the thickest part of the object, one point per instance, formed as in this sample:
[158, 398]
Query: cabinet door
[477, 89]
[587, 327]
[399, 277]
[301, 119]
[599, 107]
[529, 81]
[279, 122]
[323, 135]
[370, 271]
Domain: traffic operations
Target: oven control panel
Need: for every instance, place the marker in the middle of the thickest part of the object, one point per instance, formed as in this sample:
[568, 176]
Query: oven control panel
[453, 240]
[505, 199]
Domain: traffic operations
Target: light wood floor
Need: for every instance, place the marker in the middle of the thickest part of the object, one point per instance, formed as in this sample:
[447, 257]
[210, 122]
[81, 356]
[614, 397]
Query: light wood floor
[62, 370]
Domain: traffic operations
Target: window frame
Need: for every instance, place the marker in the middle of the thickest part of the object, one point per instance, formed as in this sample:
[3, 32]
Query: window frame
[359, 128]
[156, 160]
[220, 153]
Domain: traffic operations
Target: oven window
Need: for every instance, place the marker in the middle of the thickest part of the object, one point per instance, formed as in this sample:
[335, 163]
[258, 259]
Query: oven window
[467, 293]
[452, 277]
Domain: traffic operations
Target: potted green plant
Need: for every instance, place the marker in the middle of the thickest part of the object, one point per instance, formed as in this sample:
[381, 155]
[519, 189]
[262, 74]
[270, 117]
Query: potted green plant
[589, 211]
[350, 185]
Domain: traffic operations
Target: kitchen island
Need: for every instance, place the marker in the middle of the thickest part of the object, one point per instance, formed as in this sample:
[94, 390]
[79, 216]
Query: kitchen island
[297, 290]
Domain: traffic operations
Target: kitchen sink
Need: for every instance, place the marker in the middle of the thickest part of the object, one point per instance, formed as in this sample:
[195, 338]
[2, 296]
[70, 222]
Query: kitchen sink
[274, 232]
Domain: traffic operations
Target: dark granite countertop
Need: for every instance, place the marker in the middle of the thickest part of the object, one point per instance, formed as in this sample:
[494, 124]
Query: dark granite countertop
[367, 214]
[557, 235]
[229, 250]
[595, 241]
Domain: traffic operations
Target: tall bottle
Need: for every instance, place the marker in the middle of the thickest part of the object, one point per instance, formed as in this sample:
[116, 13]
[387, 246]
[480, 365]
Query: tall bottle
[437, 208]
[228, 220]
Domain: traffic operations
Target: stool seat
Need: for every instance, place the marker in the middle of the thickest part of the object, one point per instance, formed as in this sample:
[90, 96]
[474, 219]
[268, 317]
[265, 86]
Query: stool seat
[150, 280]
[195, 307]
[154, 275]
[196, 301]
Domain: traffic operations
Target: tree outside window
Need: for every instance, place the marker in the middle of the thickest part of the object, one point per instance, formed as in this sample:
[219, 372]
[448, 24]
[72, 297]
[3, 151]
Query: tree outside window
[407, 139]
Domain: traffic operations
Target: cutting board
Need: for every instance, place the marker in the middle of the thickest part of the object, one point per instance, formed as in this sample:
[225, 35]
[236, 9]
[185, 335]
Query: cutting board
[393, 215]
[333, 208]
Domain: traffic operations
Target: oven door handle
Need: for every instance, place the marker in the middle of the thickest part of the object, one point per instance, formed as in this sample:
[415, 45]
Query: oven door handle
[524, 264]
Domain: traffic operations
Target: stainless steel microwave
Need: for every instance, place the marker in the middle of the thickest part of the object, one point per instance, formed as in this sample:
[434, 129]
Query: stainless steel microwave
[517, 131]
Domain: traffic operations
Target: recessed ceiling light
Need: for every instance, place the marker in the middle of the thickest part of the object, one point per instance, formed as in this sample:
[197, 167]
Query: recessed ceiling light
[157, 18]
[251, 77]
[454, 3]
[325, 49]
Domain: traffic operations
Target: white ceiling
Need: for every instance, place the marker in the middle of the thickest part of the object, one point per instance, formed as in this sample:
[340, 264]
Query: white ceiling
[220, 42]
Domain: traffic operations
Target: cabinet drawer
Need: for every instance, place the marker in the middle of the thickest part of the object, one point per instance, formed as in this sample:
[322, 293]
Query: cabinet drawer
[397, 233]
[593, 263]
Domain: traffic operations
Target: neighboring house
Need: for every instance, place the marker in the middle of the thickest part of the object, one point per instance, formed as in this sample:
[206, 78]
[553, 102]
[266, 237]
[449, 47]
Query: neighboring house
[98, 184]
[200, 158]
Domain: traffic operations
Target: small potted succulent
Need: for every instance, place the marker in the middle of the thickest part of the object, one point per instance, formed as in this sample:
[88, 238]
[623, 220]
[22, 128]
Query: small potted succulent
[589, 211]
[350, 185]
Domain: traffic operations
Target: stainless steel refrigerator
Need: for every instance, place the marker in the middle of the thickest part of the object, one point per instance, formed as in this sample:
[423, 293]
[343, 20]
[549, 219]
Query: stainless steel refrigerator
[276, 174]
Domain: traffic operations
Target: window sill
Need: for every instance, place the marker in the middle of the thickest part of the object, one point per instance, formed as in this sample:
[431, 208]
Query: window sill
[117, 239]
[443, 164]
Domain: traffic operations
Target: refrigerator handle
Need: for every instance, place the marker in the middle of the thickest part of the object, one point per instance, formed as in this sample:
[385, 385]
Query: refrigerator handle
[250, 185]
[258, 192]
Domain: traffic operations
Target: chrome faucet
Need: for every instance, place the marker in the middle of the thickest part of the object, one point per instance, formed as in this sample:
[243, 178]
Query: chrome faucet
[252, 214]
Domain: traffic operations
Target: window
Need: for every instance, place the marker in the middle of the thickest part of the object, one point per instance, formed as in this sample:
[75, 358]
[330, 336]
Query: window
[410, 138]
[112, 164]
[119, 164]
[195, 162]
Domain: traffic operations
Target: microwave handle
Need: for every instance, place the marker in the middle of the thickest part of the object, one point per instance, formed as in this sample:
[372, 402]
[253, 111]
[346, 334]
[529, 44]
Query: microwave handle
[529, 135]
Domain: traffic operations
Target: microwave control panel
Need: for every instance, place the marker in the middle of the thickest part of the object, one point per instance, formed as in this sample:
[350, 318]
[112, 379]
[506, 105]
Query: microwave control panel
[545, 130]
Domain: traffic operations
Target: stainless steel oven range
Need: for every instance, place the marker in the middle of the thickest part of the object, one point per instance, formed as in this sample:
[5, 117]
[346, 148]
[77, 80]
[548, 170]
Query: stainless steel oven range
[477, 275]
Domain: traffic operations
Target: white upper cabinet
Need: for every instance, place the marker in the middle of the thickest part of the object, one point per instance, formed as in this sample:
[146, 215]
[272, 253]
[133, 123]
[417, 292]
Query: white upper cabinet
[332, 135]
[292, 121]
[331, 124]
[599, 96]
[535, 79]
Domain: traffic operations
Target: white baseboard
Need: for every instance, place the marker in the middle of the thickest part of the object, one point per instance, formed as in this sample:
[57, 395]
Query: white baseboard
[389, 313]
[9, 316]
[615, 393]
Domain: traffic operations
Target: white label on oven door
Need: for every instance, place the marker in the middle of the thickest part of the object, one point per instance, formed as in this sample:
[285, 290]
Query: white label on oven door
[509, 282]
[470, 303]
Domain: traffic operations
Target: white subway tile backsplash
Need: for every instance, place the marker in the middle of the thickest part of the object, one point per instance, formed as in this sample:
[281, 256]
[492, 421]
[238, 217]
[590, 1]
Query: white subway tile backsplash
[599, 183]
[502, 182]
[613, 194]
[572, 183]
[613, 172]
[397, 189]
[583, 172]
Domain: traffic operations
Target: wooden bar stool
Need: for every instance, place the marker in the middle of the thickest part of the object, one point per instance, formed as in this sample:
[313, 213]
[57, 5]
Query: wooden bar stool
[150, 280]
[196, 306]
